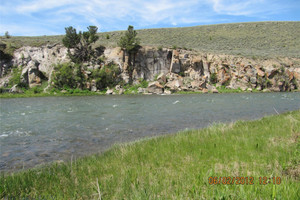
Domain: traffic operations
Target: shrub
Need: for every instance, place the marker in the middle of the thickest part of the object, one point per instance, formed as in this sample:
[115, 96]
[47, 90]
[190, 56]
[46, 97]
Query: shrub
[16, 77]
[181, 74]
[2, 90]
[63, 76]
[213, 78]
[37, 89]
[107, 76]
[143, 83]
[7, 35]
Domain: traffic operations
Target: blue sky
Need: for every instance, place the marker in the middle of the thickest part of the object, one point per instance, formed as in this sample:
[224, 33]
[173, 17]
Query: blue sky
[50, 17]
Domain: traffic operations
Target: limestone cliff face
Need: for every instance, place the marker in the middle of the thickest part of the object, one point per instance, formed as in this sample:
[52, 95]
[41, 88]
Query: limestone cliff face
[172, 69]
[36, 63]
[189, 70]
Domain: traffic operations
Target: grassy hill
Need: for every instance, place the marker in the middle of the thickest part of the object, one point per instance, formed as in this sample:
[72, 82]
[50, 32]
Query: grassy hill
[262, 39]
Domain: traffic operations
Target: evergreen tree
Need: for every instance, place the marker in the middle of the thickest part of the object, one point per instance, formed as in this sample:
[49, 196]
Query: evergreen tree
[81, 43]
[130, 45]
[129, 42]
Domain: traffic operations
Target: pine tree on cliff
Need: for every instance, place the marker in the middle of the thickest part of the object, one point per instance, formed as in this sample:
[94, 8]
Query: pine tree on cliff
[81, 43]
[130, 44]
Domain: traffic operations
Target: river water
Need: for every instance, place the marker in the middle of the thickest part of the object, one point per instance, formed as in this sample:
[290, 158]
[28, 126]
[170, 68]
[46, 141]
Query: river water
[35, 131]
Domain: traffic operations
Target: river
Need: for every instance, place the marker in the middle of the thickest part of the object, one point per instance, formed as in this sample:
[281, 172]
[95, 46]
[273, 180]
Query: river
[36, 131]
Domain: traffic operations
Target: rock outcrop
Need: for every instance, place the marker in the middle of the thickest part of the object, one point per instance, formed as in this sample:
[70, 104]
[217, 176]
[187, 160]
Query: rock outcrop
[171, 70]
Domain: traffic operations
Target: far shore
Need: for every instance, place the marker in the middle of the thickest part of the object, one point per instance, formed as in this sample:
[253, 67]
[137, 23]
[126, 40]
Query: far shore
[103, 93]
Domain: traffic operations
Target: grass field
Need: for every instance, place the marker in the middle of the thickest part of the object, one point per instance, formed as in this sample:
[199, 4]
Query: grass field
[258, 39]
[178, 166]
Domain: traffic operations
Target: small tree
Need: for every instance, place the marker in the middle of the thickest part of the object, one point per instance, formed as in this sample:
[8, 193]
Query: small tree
[81, 43]
[7, 35]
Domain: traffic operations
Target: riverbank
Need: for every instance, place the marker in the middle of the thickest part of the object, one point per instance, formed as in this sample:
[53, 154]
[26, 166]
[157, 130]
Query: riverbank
[131, 91]
[178, 166]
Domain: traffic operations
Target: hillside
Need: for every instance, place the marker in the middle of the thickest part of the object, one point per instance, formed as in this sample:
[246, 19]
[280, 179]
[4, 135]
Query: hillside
[258, 39]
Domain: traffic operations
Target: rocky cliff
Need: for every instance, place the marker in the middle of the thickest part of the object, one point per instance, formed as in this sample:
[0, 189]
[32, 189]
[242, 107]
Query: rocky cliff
[167, 69]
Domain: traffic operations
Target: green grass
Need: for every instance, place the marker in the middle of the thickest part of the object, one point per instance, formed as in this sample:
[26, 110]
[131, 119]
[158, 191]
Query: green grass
[30, 93]
[254, 40]
[177, 166]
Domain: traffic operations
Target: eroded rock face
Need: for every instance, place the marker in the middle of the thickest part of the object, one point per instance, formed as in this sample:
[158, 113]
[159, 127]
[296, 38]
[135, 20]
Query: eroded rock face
[172, 69]
[150, 62]
[46, 56]
[37, 62]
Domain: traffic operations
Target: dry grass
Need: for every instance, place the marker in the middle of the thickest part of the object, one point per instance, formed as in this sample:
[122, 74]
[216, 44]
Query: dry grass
[257, 39]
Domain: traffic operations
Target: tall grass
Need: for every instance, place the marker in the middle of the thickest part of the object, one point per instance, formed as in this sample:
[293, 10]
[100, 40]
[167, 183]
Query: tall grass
[177, 166]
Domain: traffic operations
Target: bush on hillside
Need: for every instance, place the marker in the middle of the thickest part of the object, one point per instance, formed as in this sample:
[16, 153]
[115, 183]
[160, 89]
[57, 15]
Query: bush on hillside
[64, 77]
[107, 76]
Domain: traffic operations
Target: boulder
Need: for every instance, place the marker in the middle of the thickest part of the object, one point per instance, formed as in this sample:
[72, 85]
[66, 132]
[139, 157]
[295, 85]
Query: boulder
[15, 89]
[161, 78]
[195, 75]
[93, 86]
[272, 72]
[210, 87]
[196, 84]
[214, 90]
[205, 90]
[258, 88]
[155, 87]
[31, 74]
[275, 89]
[118, 87]
[168, 92]
[253, 80]
[121, 91]
[141, 90]
[260, 72]
[184, 88]
[174, 85]
[109, 91]
[88, 85]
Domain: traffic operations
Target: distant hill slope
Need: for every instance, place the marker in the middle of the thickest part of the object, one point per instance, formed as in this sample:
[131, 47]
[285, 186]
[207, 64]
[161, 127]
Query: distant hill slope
[258, 39]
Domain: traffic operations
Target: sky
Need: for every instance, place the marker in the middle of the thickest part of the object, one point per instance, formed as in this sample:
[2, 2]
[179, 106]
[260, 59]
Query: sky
[50, 17]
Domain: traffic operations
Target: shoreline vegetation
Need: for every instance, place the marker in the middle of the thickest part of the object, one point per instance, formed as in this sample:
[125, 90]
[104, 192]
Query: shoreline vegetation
[178, 166]
[131, 90]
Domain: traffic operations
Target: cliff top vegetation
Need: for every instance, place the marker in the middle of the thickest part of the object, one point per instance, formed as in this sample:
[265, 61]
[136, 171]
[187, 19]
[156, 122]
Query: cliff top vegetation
[258, 39]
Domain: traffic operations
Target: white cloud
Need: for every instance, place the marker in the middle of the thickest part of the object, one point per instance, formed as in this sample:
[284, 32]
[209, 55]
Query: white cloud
[108, 15]
[38, 5]
[246, 7]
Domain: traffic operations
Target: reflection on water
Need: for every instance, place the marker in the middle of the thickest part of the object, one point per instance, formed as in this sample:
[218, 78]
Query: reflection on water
[40, 130]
